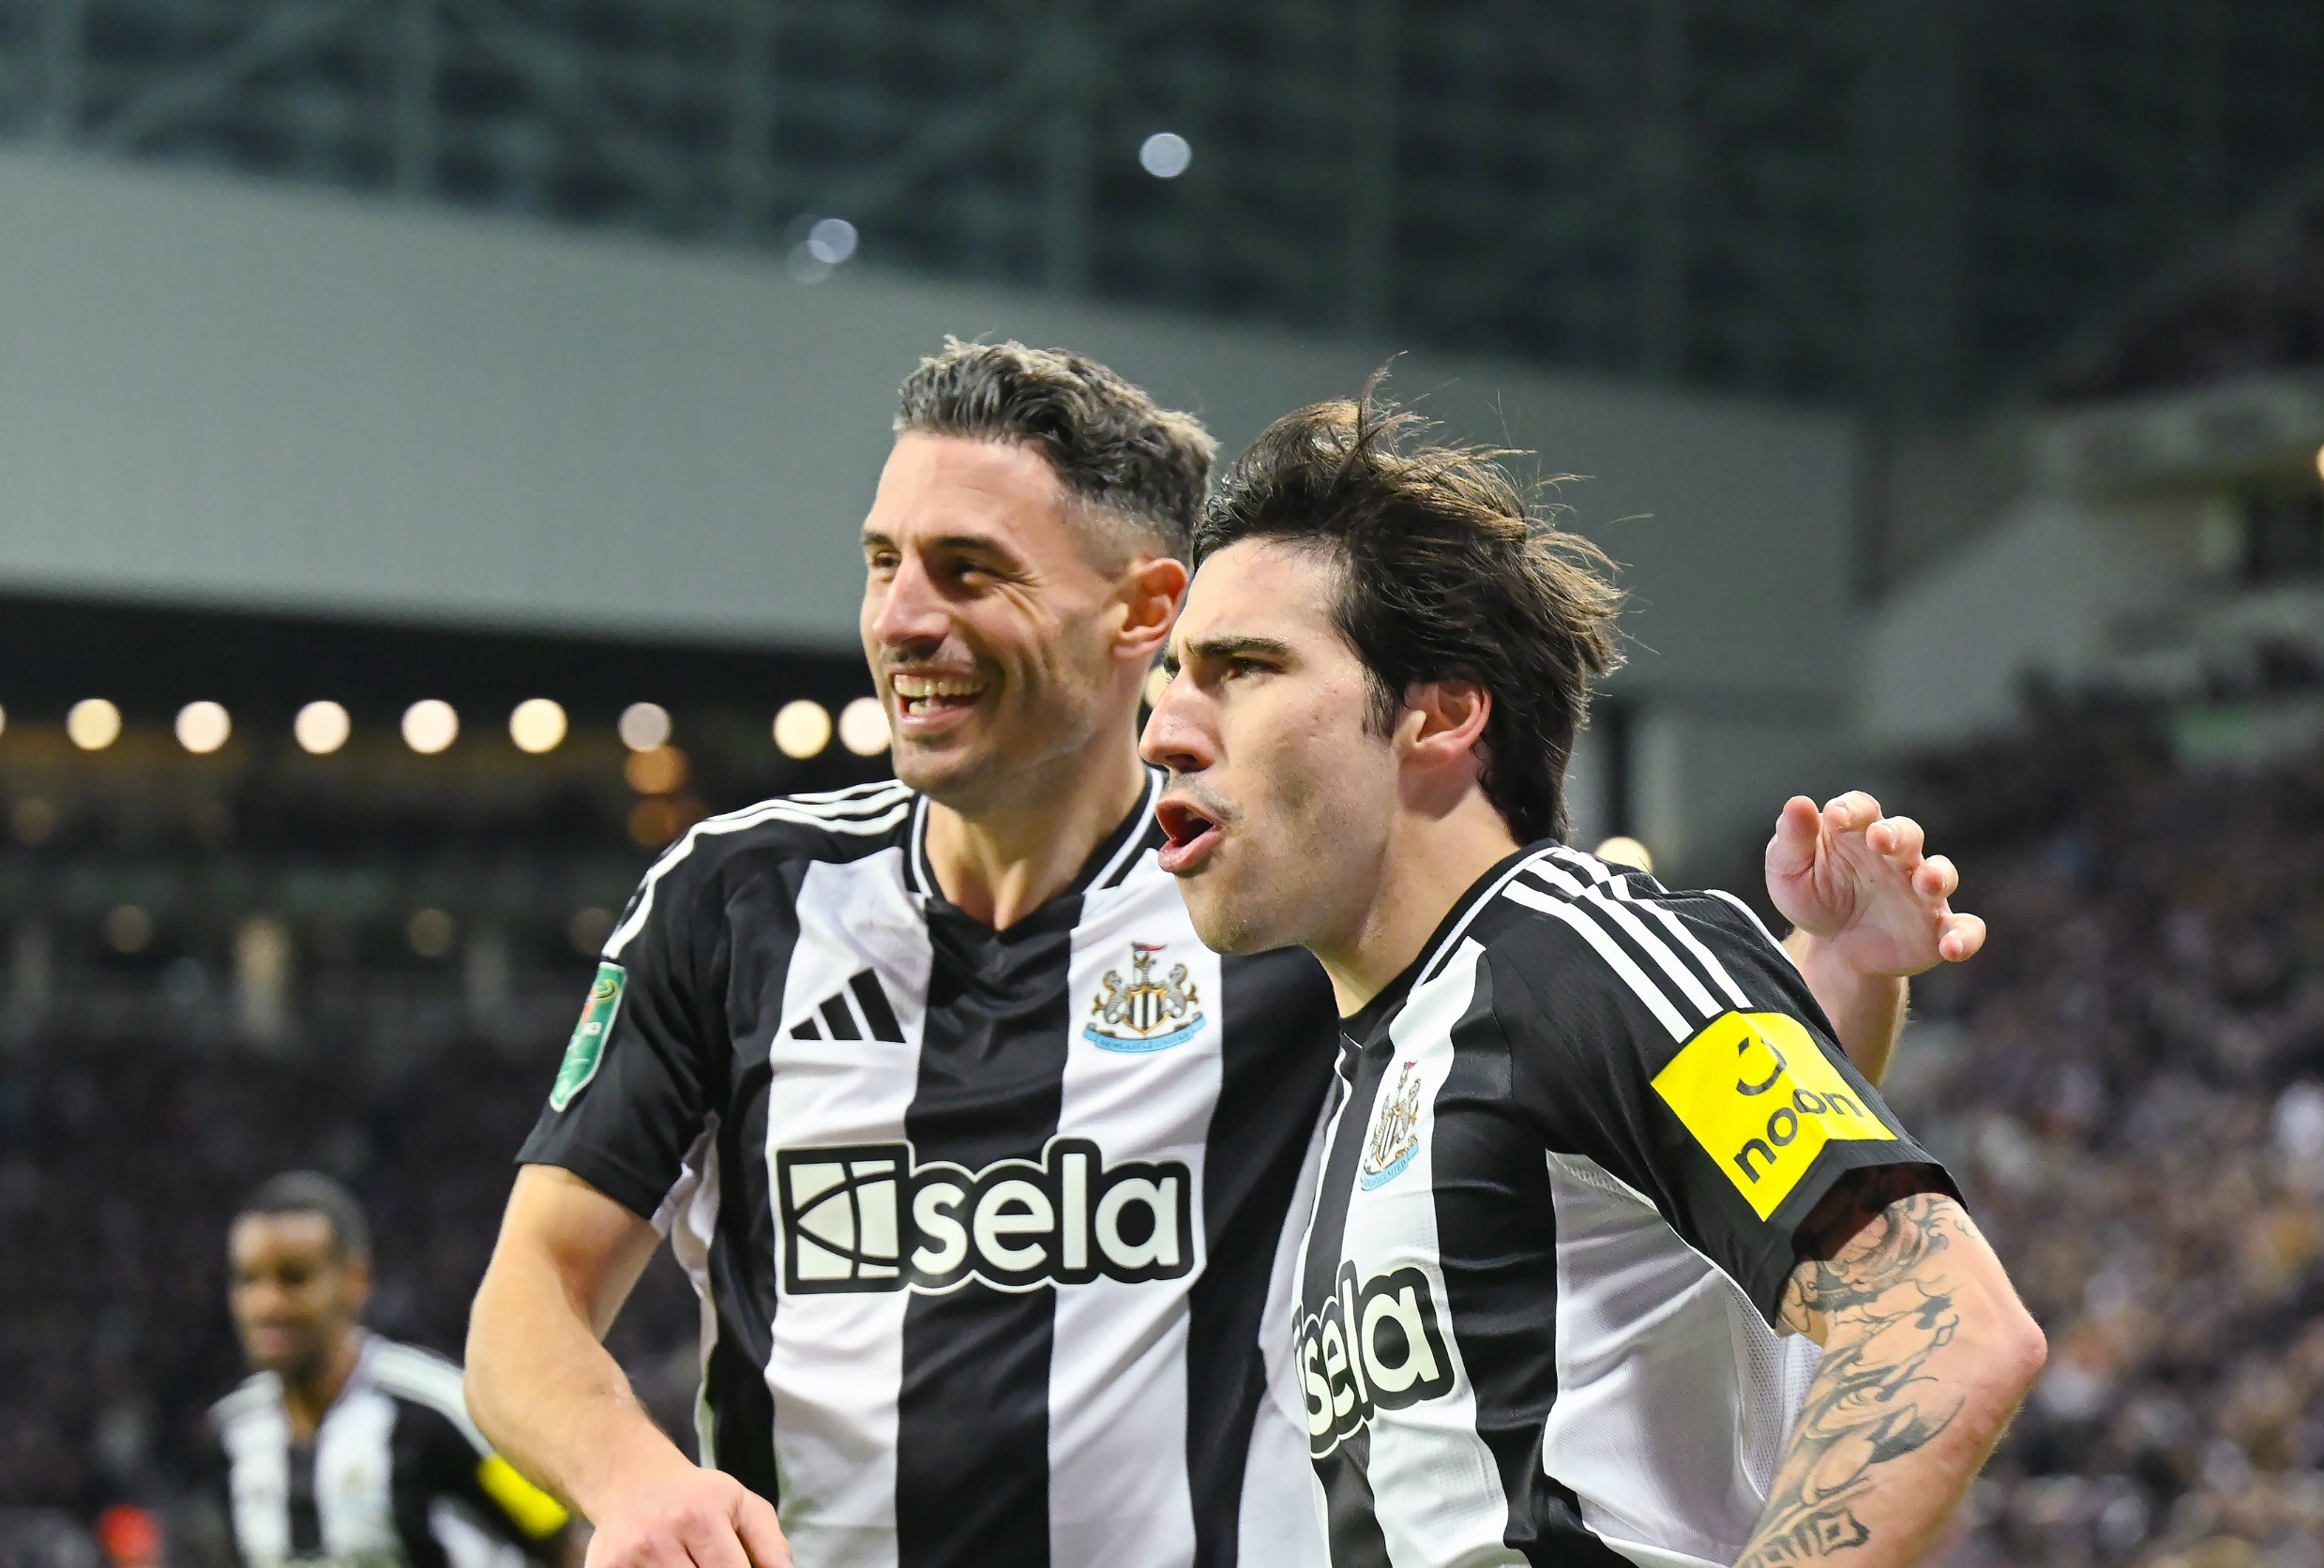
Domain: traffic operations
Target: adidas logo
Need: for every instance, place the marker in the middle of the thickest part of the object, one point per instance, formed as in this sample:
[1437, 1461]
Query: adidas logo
[857, 1011]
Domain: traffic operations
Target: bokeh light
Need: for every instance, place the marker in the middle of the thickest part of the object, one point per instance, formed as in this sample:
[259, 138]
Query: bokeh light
[802, 729]
[537, 725]
[644, 726]
[1165, 155]
[93, 723]
[1622, 850]
[863, 726]
[322, 728]
[204, 727]
[430, 725]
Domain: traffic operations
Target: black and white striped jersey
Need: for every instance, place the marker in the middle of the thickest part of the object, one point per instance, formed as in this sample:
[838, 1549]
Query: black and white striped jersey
[993, 1229]
[395, 1476]
[1568, 1151]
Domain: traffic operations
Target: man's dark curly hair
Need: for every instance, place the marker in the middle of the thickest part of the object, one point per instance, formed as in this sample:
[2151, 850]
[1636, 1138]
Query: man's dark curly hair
[1449, 574]
[1110, 444]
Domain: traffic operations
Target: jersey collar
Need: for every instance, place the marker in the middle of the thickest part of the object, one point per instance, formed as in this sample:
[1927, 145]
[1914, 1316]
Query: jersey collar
[1360, 1026]
[1108, 865]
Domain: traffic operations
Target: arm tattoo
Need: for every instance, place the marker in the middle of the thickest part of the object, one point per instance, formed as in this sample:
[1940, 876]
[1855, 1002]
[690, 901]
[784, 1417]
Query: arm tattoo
[1877, 1290]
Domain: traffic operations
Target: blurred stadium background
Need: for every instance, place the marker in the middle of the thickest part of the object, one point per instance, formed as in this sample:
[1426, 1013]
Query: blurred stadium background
[431, 435]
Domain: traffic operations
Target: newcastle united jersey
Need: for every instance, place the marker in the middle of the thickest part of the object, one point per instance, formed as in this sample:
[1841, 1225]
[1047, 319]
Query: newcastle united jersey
[990, 1226]
[1555, 1215]
[394, 1476]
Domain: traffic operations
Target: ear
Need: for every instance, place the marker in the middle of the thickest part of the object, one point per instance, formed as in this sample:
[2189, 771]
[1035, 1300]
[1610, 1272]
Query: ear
[359, 1284]
[1152, 587]
[1443, 723]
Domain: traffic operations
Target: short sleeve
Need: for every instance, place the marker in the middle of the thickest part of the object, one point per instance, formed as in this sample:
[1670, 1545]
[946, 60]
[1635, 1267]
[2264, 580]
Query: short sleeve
[436, 1462]
[642, 1071]
[1676, 1045]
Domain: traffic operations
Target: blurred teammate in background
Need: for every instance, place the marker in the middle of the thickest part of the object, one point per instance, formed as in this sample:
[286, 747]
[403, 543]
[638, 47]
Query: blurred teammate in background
[981, 1160]
[343, 1447]
[1598, 1178]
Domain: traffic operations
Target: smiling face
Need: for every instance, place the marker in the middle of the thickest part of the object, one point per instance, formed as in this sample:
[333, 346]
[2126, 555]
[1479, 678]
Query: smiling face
[989, 625]
[1280, 798]
[294, 1295]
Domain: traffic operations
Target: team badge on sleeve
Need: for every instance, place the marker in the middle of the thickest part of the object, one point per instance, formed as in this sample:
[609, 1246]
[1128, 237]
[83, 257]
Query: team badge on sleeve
[1757, 1093]
[587, 1047]
[1148, 1011]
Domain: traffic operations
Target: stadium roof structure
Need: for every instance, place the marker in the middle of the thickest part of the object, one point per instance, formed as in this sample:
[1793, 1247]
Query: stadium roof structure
[1888, 203]
[2250, 305]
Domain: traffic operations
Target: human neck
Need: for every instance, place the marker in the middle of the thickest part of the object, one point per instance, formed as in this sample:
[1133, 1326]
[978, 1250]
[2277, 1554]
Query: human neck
[1001, 865]
[310, 1393]
[1429, 863]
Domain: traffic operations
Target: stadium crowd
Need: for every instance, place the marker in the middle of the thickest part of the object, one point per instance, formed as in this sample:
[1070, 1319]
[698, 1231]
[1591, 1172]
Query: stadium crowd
[2130, 1084]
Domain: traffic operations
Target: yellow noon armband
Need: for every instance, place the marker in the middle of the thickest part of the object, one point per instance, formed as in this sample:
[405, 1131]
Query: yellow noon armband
[532, 1510]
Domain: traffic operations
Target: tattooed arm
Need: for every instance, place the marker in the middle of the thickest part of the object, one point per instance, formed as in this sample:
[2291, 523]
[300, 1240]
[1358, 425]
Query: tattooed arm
[1927, 1355]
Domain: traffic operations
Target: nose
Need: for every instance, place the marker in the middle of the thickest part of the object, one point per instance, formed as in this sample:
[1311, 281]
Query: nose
[907, 610]
[1177, 735]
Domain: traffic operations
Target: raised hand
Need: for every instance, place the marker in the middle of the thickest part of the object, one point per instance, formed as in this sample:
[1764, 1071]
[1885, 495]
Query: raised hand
[1858, 883]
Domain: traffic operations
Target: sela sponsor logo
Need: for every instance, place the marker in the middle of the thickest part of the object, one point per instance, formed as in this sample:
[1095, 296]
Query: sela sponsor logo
[1762, 1099]
[1146, 1012]
[1396, 1136]
[867, 1216]
[1374, 1346]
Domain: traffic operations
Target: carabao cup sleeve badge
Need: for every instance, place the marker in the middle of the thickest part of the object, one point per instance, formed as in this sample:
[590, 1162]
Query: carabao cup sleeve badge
[587, 1047]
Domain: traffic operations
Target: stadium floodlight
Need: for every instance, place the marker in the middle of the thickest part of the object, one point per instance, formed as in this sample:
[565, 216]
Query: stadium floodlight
[93, 723]
[537, 725]
[1622, 850]
[431, 932]
[4, 721]
[658, 772]
[863, 726]
[204, 727]
[802, 729]
[644, 726]
[430, 725]
[832, 240]
[322, 728]
[1165, 155]
[2319, 462]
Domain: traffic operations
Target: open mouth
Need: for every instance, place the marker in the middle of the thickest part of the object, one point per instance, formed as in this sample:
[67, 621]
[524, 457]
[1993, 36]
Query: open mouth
[923, 699]
[1192, 836]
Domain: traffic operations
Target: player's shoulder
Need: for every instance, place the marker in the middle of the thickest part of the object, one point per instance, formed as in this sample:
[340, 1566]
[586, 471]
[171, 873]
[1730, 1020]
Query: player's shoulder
[417, 1376]
[1565, 925]
[828, 824]
[255, 1397]
[831, 826]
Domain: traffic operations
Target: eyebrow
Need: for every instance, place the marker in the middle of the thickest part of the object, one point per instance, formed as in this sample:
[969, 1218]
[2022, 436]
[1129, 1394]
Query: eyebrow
[1234, 647]
[985, 542]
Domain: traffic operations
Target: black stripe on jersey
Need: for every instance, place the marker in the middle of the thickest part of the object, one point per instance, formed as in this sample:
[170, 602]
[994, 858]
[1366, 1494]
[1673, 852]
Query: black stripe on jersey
[1493, 1203]
[1644, 897]
[971, 1438]
[306, 1519]
[743, 1284]
[1356, 1541]
[1246, 1162]
[879, 1016]
[1633, 932]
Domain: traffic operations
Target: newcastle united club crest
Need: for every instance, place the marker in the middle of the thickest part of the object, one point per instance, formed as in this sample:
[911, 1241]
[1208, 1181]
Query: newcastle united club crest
[1148, 1011]
[1395, 1138]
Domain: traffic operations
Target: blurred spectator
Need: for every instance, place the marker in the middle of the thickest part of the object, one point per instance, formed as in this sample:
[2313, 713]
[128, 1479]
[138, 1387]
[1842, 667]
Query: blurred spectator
[2130, 1086]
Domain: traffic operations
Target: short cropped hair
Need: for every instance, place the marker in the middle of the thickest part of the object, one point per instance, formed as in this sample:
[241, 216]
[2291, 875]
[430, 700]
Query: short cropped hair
[306, 1192]
[1450, 573]
[1140, 466]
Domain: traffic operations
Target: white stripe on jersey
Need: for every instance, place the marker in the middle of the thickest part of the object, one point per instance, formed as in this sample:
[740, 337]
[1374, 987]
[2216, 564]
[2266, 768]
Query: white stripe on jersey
[1117, 1369]
[425, 1380]
[1674, 1397]
[890, 799]
[1625, 920]
[1622, 888]
[836, 1365]
[690, 1217]
[1665, 1012]
[354, 1500]
[256, 1435]
[1435, 1490]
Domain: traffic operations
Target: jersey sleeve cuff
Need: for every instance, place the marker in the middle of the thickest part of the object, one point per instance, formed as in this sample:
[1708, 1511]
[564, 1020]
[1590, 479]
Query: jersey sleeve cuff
[1837, 1161]
[624, 1184]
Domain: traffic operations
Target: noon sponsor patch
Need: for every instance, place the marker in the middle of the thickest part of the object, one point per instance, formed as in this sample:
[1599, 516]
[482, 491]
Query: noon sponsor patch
[1758, 1094]
[587, 1047]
